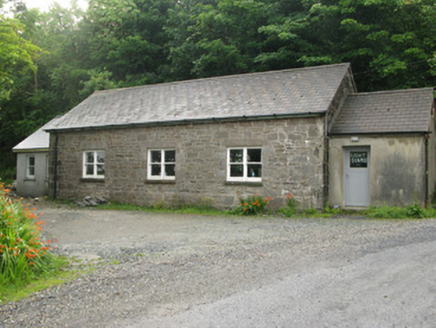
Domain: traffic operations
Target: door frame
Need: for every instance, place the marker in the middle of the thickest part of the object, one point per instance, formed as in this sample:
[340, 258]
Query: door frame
[346, 170]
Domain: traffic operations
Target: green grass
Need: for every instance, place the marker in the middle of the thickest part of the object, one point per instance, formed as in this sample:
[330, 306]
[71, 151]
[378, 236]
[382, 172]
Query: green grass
[14, 292]
[396, 212]
[381, 212]
[185, 209]
[11, 292]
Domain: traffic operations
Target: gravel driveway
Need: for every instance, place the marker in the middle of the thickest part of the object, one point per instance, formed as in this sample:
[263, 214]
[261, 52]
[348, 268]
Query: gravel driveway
[172, 270]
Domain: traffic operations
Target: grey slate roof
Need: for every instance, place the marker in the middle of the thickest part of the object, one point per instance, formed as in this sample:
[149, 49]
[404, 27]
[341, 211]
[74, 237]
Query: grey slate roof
[385, 112]
[39, 140]
[286, 92]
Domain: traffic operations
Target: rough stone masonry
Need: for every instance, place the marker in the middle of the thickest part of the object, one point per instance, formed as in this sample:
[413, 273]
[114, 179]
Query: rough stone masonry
[292, 161]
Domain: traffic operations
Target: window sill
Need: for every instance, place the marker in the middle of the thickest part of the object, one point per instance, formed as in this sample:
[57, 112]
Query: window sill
[92, 180]
[169, 182]
[244, 183]
[29, 179]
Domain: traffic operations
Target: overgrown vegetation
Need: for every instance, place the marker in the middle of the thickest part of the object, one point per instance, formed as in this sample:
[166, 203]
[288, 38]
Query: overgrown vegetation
[291, 207]
[396, 212]
[252, 205]
[257, 205]
[162, 208]
[25, 257]
[49, 62]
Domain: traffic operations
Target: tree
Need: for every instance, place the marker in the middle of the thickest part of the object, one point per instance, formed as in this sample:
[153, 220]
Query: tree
[390, 43]
[210, 38]
[17, 55]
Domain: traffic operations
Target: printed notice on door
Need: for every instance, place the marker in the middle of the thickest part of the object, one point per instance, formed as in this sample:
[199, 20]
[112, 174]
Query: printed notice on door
[358, 159]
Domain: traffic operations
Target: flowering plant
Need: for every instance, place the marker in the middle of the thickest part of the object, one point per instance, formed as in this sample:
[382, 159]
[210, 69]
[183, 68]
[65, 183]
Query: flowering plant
[23, 255]
[290, 209]
[252, 205]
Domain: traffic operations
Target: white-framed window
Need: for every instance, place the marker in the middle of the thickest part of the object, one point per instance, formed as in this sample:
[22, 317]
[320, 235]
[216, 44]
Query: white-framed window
[30, 167]
[93, 164]
[244, 164]
[161, 164]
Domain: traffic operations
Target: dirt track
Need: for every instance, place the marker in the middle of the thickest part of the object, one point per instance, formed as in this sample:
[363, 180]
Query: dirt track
[196, 271]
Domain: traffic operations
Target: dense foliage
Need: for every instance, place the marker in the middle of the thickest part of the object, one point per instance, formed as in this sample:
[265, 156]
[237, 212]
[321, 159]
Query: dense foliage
[51, 61]
[23, 255]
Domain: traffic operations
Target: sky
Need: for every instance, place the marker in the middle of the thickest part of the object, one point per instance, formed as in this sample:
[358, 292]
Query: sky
[43, 5]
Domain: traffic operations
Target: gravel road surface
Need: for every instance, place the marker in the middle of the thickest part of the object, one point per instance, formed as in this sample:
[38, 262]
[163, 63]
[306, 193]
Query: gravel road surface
[172, 270]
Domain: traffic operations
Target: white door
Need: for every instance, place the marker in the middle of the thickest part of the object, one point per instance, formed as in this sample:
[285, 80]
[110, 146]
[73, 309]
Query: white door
[356, 176]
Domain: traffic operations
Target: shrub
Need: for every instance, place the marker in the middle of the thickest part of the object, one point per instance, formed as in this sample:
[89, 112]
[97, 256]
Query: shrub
[252, 205]
[23, 255]
[396, 212]
[415, 211]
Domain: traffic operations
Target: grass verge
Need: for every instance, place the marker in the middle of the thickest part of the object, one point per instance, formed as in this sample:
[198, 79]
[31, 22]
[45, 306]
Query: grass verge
[380, 212]
[185, 209]
[10, 292]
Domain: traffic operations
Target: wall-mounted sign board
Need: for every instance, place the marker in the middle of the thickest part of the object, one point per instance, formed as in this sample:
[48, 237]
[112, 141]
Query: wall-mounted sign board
[358, 159]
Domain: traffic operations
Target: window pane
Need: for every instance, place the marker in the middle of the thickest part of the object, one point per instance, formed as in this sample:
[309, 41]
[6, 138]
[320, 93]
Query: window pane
[254, 155]
[236, 155]
[31, 171]
[89, 169]
[89, 157]
[31, 161]
[170, 170]
[170, 156]
[236, 170]
[100, 169]
[156, 156]
[155, 170]
[254, 171]
[100, 157]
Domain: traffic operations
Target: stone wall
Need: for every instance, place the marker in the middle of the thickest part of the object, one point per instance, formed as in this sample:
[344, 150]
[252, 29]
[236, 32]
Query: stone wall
[292, 155]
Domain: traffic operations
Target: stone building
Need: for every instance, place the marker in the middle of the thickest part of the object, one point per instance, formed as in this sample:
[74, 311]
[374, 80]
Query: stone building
[382, 149]
[209, 140]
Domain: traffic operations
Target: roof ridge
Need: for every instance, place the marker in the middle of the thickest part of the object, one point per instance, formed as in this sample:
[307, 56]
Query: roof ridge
[287, 70]
[370, 93]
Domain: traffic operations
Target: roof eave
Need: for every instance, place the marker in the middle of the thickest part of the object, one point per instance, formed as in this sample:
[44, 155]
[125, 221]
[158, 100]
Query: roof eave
[377, 133]
[192, 121]
[30, 150]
